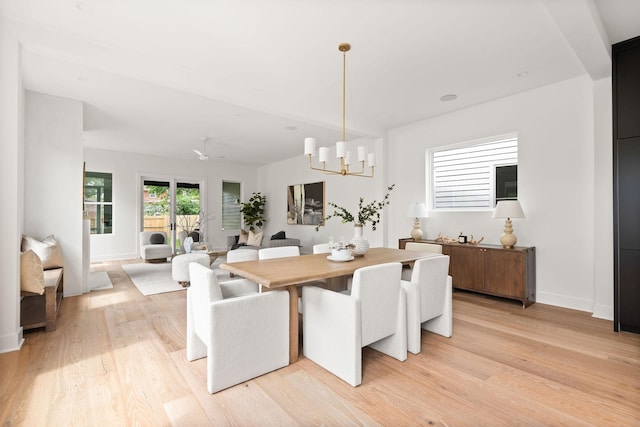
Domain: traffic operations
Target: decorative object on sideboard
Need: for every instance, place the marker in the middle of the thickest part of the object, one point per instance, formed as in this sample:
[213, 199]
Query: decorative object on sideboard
[417, 211]
[469, 240]
[472, 241]
[445, 239]
[508, 209]
[341, 146]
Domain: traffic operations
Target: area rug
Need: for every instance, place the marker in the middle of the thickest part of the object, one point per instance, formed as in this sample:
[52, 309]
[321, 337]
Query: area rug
[99, 280]
[151, 279]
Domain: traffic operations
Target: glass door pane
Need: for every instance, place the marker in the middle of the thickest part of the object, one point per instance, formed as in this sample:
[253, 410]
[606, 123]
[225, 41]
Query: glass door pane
[156, 207]
[172, 207]
[188, 213]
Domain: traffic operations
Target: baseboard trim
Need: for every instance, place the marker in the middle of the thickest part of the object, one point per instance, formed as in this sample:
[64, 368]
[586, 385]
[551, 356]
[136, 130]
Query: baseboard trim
[11, 342]
[603, 312]
[564, 301]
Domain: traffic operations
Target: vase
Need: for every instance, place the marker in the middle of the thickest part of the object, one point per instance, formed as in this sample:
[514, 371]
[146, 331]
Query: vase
[361, 244]
[188, 242]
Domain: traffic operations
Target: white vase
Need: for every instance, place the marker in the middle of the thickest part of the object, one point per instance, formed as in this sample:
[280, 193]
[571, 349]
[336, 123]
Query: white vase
[188, 242]
[361, 244]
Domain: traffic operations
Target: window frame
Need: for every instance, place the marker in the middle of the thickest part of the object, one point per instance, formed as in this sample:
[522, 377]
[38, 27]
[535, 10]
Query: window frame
[100, 205]
[430, 179]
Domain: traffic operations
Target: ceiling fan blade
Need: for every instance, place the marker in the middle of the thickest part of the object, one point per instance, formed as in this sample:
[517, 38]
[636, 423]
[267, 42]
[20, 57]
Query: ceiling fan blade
[199, 153]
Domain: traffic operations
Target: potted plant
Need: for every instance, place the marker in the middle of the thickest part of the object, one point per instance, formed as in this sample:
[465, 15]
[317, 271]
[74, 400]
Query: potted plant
[367, 213]
[253, 211]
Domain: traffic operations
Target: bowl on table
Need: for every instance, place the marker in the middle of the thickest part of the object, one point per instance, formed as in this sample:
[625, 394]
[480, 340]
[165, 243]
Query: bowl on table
[341, 254]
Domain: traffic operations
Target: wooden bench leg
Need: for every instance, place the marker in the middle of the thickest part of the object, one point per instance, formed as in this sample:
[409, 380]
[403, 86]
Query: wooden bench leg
[51, 308]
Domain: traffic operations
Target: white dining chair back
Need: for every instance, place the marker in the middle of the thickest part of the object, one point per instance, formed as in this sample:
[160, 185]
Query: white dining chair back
[278, 252]
[242, 336]
[423, 247]
[429, 300]
[321, 248]
[239, 255]
[337, 325]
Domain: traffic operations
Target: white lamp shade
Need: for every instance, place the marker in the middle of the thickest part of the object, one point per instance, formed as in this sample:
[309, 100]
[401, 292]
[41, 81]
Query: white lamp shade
[309, 146]
[417, 210]
[508, 209]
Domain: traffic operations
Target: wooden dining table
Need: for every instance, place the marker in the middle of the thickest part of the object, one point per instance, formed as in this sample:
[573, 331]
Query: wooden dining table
[289, 272]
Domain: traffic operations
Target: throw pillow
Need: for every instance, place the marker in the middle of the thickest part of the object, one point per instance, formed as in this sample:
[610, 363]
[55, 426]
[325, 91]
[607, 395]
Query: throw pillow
[255, 239]
[244, 236]
[279, 236]
[31, 275]
[47, 250]
[156, 239]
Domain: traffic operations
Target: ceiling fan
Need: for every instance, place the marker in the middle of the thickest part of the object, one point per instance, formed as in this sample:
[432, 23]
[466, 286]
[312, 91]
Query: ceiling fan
[203, 154]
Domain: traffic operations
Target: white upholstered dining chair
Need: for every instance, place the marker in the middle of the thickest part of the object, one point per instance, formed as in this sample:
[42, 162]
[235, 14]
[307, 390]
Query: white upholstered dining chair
[336, 326]
[429, 248]
[278, 252]
[243, 336]
[429, 300]
[321, 248]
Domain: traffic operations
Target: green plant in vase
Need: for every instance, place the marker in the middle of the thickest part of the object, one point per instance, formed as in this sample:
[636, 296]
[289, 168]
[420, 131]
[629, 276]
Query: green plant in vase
[368, 213]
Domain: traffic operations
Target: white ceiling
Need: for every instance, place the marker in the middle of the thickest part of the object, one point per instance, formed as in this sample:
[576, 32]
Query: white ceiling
[257, 76]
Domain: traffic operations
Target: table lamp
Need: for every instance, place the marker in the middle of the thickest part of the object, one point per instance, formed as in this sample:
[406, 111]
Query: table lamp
[417, 211]
[508, 209]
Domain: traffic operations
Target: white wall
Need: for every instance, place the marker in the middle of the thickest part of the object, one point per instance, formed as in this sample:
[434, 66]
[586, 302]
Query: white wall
[345, 191]
[53, 178]
[556, 175]
[11, 190]
[127, 170]
[603, 200]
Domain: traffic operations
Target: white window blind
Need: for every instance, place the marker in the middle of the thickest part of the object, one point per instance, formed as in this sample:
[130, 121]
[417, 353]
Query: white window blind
[231, 205]
[463, 177]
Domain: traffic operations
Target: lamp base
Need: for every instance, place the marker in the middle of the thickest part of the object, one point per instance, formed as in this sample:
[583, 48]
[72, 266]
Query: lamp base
[416, 233]
[508, 239]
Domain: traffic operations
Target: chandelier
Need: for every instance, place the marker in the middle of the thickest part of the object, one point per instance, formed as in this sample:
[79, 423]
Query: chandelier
[341, 147]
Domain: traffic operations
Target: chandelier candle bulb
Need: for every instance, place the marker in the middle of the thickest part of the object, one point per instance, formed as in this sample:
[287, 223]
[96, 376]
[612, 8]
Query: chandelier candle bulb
[362, 153]
[310, 146]
[323, 154]
[340, 149]
[372, 159]
[347, 158]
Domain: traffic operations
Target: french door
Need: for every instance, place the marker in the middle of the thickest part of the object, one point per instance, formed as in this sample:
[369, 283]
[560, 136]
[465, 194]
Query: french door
[171, 205]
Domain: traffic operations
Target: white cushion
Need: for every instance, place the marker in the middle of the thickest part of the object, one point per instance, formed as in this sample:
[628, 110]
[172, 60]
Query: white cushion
[47, 250]
[254, 239]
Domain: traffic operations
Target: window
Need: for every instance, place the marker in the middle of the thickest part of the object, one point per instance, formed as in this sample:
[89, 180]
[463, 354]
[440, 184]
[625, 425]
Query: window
[231, 205]
[476, 174]
[98, 201]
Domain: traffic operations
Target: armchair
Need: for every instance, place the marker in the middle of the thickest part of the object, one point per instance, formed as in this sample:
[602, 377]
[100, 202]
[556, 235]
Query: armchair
[154, 246]
[429, 300]
[242, 335]
[336, 326]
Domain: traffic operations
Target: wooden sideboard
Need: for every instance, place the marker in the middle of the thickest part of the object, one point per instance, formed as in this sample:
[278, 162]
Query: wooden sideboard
[490, 269]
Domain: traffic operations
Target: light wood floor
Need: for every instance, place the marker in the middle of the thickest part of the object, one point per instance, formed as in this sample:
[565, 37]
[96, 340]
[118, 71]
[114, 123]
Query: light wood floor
[118, 358]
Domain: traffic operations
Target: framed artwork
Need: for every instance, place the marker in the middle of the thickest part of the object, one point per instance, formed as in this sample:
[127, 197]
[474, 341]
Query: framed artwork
[305, 204]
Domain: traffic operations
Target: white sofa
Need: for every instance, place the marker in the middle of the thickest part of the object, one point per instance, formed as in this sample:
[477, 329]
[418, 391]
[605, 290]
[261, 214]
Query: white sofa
[151, 250]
